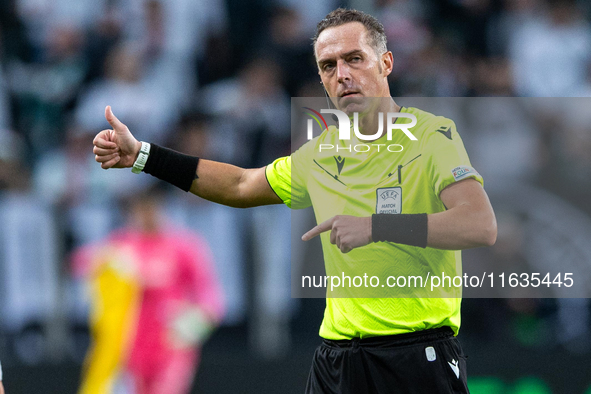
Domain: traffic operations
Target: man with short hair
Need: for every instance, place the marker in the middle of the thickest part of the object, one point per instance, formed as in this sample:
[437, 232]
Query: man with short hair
[370, 345]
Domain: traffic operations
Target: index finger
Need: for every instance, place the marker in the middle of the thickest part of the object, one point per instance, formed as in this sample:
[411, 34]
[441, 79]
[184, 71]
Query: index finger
[319, 229]
[101, 140]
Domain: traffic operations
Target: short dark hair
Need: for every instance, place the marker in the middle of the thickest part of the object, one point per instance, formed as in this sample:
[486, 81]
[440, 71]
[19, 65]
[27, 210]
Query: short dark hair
[340, 16]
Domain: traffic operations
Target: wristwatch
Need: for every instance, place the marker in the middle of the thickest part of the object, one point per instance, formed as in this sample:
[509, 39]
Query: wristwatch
[142, 158]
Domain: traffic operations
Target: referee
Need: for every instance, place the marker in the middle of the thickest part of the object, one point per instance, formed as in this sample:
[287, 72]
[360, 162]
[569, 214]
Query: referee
[370, 345]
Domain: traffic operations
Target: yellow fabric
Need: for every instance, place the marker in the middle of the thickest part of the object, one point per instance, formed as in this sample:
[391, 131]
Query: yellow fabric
[429, 165]
[274, 172]
[115, 299]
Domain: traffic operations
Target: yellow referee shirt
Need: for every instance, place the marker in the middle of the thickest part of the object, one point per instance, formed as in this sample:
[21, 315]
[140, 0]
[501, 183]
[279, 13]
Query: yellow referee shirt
[348, 180]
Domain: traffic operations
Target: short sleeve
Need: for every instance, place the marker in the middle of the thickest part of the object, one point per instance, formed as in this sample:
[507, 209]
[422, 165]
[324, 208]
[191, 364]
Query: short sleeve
[287, 176]
[447, 160]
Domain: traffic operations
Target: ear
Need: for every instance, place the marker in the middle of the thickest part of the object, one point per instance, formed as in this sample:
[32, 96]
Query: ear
[387, 63]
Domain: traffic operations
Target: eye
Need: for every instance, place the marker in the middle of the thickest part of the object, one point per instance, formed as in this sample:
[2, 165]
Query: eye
[356, 58]
[327, 67]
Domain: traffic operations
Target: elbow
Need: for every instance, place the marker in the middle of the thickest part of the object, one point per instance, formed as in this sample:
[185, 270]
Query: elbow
[488, 234]
[490, 238]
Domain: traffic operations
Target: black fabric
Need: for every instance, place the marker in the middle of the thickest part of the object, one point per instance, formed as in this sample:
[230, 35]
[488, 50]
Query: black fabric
[389, 365]
[410, 338]
[171, 166]
[408, 229]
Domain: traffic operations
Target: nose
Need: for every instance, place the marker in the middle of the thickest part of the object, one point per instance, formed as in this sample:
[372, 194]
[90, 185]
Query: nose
[343, 73]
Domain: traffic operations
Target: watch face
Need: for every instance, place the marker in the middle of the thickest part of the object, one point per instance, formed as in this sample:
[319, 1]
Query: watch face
[142, 158]
[145, 148]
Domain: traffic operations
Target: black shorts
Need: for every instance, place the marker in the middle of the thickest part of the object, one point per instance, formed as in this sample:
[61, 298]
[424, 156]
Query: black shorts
[429, 361]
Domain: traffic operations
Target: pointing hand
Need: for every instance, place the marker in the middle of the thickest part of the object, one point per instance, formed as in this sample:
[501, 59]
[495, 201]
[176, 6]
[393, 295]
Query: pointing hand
[346, 232]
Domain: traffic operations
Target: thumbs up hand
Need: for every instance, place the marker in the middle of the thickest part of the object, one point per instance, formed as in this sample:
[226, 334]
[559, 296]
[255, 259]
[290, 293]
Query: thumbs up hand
[115, 148]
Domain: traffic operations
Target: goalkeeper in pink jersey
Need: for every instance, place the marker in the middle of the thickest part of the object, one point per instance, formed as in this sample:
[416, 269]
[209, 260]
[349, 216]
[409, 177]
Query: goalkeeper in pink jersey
[155, 299]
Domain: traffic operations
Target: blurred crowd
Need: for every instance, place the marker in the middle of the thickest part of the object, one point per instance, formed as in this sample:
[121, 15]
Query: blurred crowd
[213, 78]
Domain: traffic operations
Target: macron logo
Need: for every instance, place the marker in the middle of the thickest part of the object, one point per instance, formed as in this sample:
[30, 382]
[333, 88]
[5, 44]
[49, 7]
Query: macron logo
[454, 366]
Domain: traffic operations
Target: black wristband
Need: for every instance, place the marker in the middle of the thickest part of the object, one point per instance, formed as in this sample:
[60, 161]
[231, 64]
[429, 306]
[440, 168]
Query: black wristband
[171, 166]
[408, 229]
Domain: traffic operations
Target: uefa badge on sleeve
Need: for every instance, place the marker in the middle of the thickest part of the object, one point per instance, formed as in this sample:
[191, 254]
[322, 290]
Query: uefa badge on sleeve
[462, 172]
[389, 200]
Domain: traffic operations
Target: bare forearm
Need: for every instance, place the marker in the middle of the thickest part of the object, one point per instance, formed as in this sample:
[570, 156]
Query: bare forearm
[462, 227]
[219, 182]
[233, 186]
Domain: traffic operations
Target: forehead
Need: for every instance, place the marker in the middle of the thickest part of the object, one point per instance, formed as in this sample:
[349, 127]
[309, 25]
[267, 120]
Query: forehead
[337, 40]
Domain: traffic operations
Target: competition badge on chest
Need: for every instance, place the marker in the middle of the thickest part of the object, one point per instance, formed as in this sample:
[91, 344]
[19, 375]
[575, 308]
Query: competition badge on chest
[389, 200]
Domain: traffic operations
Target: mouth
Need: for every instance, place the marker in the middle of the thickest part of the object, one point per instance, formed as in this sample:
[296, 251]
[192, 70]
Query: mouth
[350, 93]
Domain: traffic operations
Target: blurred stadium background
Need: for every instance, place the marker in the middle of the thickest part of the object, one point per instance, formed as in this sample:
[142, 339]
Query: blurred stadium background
[214, 78]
